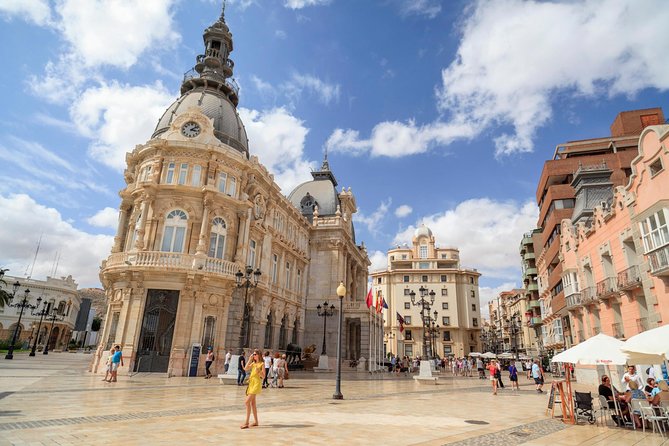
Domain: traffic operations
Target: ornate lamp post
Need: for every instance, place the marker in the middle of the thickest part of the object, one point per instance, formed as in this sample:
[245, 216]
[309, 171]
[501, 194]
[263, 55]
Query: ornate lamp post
[424, 311]
[434, 332]
[341, 292]
[23, 304]
[46, 306]
[53, 316]
[325, 313]
[247, 279]
[514, 328]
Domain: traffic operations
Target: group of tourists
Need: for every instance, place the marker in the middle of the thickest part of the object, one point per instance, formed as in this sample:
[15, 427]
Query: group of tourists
[654, 392]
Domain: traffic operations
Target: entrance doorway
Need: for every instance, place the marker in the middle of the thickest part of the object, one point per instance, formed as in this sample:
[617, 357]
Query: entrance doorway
[155, 340]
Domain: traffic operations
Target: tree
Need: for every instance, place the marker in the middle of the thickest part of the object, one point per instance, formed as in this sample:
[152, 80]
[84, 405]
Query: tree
[5, 297]
[97, 322]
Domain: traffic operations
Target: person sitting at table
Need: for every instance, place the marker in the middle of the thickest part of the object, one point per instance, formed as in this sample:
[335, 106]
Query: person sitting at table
[650, 385]
[610, 393]
[659, 393]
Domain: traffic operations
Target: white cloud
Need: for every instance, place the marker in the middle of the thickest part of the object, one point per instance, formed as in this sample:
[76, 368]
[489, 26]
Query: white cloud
[403, 210]
[373, 220]
[117, 117]
[379, 261]
[486, 294]
[515, 56]
[429, 8]
[487, 233]
[277, 138]
[324, 91]
[104, 218]
[80, 252]
[396, 139]
[299, 4]
[36, 11]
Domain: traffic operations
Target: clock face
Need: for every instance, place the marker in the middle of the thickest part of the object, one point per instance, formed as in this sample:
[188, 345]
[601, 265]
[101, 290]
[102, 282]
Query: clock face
[190, 129]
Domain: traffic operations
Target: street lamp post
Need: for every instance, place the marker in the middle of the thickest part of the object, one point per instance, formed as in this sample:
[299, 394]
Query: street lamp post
[41, 313]
[325, 314]
[514, 327]
[341, 292]
[424, 311]
[23, 304]
[247, 279]
[53, 317]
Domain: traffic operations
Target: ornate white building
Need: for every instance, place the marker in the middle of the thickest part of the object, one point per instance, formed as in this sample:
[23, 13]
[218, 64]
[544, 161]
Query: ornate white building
[450, 322]
[197, 209]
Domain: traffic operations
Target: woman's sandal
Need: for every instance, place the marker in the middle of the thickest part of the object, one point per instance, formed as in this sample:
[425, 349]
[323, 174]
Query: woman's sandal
[244, 426]
[254, 424]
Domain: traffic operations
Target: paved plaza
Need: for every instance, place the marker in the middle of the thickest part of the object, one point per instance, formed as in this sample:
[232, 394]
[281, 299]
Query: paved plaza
[52, 400]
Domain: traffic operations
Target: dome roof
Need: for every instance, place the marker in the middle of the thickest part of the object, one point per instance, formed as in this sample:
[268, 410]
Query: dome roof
[228, 127]
[321, 193]
[422, 231]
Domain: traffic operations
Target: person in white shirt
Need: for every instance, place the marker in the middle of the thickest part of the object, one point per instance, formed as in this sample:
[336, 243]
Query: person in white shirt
[228, 356]
[267, 360]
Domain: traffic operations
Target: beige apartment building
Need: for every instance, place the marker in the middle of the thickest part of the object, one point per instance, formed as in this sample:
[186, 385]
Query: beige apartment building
[209, 251]
[451, 321]
[510, 328]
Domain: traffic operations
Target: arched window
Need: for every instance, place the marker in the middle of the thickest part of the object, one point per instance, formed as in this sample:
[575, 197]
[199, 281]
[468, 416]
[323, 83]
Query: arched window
[61, 307]
[217, 238]
[268, 330]
[175, 231]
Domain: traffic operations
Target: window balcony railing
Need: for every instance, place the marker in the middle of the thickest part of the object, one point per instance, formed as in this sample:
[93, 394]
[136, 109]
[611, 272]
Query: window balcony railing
[629, 279]
[534, 304]
[588, 294]
[642, 324]
[171, 261]
[659, 261]
[607, 288]
[617, 330]
[574, 300]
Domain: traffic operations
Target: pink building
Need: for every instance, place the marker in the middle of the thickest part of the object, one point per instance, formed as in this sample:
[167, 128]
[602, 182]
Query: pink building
[615, 248]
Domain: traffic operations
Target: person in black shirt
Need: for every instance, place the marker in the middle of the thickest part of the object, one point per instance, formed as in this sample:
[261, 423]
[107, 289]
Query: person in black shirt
[609, 392]
[241, 373]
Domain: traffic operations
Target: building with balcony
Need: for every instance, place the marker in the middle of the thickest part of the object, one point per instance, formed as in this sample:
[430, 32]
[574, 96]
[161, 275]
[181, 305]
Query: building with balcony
[511, 329]
[608, 161]
[57, 295]
[451, 289]
[197, 212]
[614, 270]
[529, 271]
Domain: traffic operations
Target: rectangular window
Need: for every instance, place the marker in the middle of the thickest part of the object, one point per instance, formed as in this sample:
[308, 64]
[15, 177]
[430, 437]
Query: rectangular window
[222, 181]
[195, 177]
[444, 256]
[655, 167]
[288, 277]
[654, 231]
[447, 336]
[473, 307]
[444, 305]
[424, 265]
[208, 334]
[232, 188]
[472, 293]
[407, 320]
[448, 350]
[407, 291]
[407, 306]
[408, 349]
[252, 253]
[471, 280]
[275, 262]
[299, 281]
[405, 279]
[422, 251]
[183, 173]
[444, 291]
[404, 256]
[444, 278]
[446, 320]
[146, 173]
[424, 278]
[475, 322]
[378, 280]
[169, 178]
[407, 335]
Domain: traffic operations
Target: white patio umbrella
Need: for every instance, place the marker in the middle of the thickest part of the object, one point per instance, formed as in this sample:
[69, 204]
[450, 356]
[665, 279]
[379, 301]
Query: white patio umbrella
[597, 350]
[506, 355]
[648, 347]
[488, 355]
[475, 354]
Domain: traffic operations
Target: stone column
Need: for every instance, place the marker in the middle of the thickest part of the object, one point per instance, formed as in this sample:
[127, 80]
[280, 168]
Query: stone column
[122, 228]
[146, 205]
[204, 227]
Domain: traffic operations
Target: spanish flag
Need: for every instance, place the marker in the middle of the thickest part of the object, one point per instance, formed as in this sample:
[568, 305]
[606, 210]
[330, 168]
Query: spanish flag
[400, 319]
[370, 298]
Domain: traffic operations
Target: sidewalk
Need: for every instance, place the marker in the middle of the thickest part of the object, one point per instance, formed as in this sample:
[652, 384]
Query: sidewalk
[52, 400]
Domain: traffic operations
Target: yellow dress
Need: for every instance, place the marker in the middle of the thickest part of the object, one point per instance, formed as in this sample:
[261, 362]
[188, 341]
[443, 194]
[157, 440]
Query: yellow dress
[255, 380]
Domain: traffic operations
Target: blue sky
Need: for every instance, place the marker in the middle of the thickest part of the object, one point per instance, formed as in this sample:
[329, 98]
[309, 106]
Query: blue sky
[435, 112]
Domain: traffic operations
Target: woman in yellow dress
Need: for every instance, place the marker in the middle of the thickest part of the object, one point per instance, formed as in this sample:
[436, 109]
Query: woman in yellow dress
[257, 368]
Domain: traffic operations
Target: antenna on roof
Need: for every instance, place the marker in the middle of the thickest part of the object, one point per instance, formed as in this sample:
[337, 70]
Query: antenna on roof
[39, 242]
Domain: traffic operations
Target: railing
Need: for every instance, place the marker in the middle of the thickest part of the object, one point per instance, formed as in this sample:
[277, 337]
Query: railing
[532, 287]
[659, 261]
[629, 278]
[534, 304]
[642, 324]
[618, 330]
[588, 294]
[172, 260]
[231, 83]
[535, 321]
[574, 300]
[606, 287]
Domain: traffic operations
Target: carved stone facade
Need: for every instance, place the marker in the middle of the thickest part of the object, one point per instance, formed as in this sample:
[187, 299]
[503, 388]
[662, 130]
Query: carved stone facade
[196, 210]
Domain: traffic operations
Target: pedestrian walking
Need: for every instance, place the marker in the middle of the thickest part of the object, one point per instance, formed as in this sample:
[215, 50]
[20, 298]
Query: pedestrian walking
[241, 373]
[257, 367]
[228, 357]
[500, 384]
[117, 360]
[207, 363]
[108, 366]
[267, 363]
[538, 375]
[492, 369]
[282, 370]
[513, 376]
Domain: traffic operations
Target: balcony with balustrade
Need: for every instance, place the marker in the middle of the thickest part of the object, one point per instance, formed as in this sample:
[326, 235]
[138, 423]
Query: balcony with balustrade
[588, 295]
[659, 262]
[618, 330]
[171, 261]
[574, 301]
[629, 278]
[607, 288]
